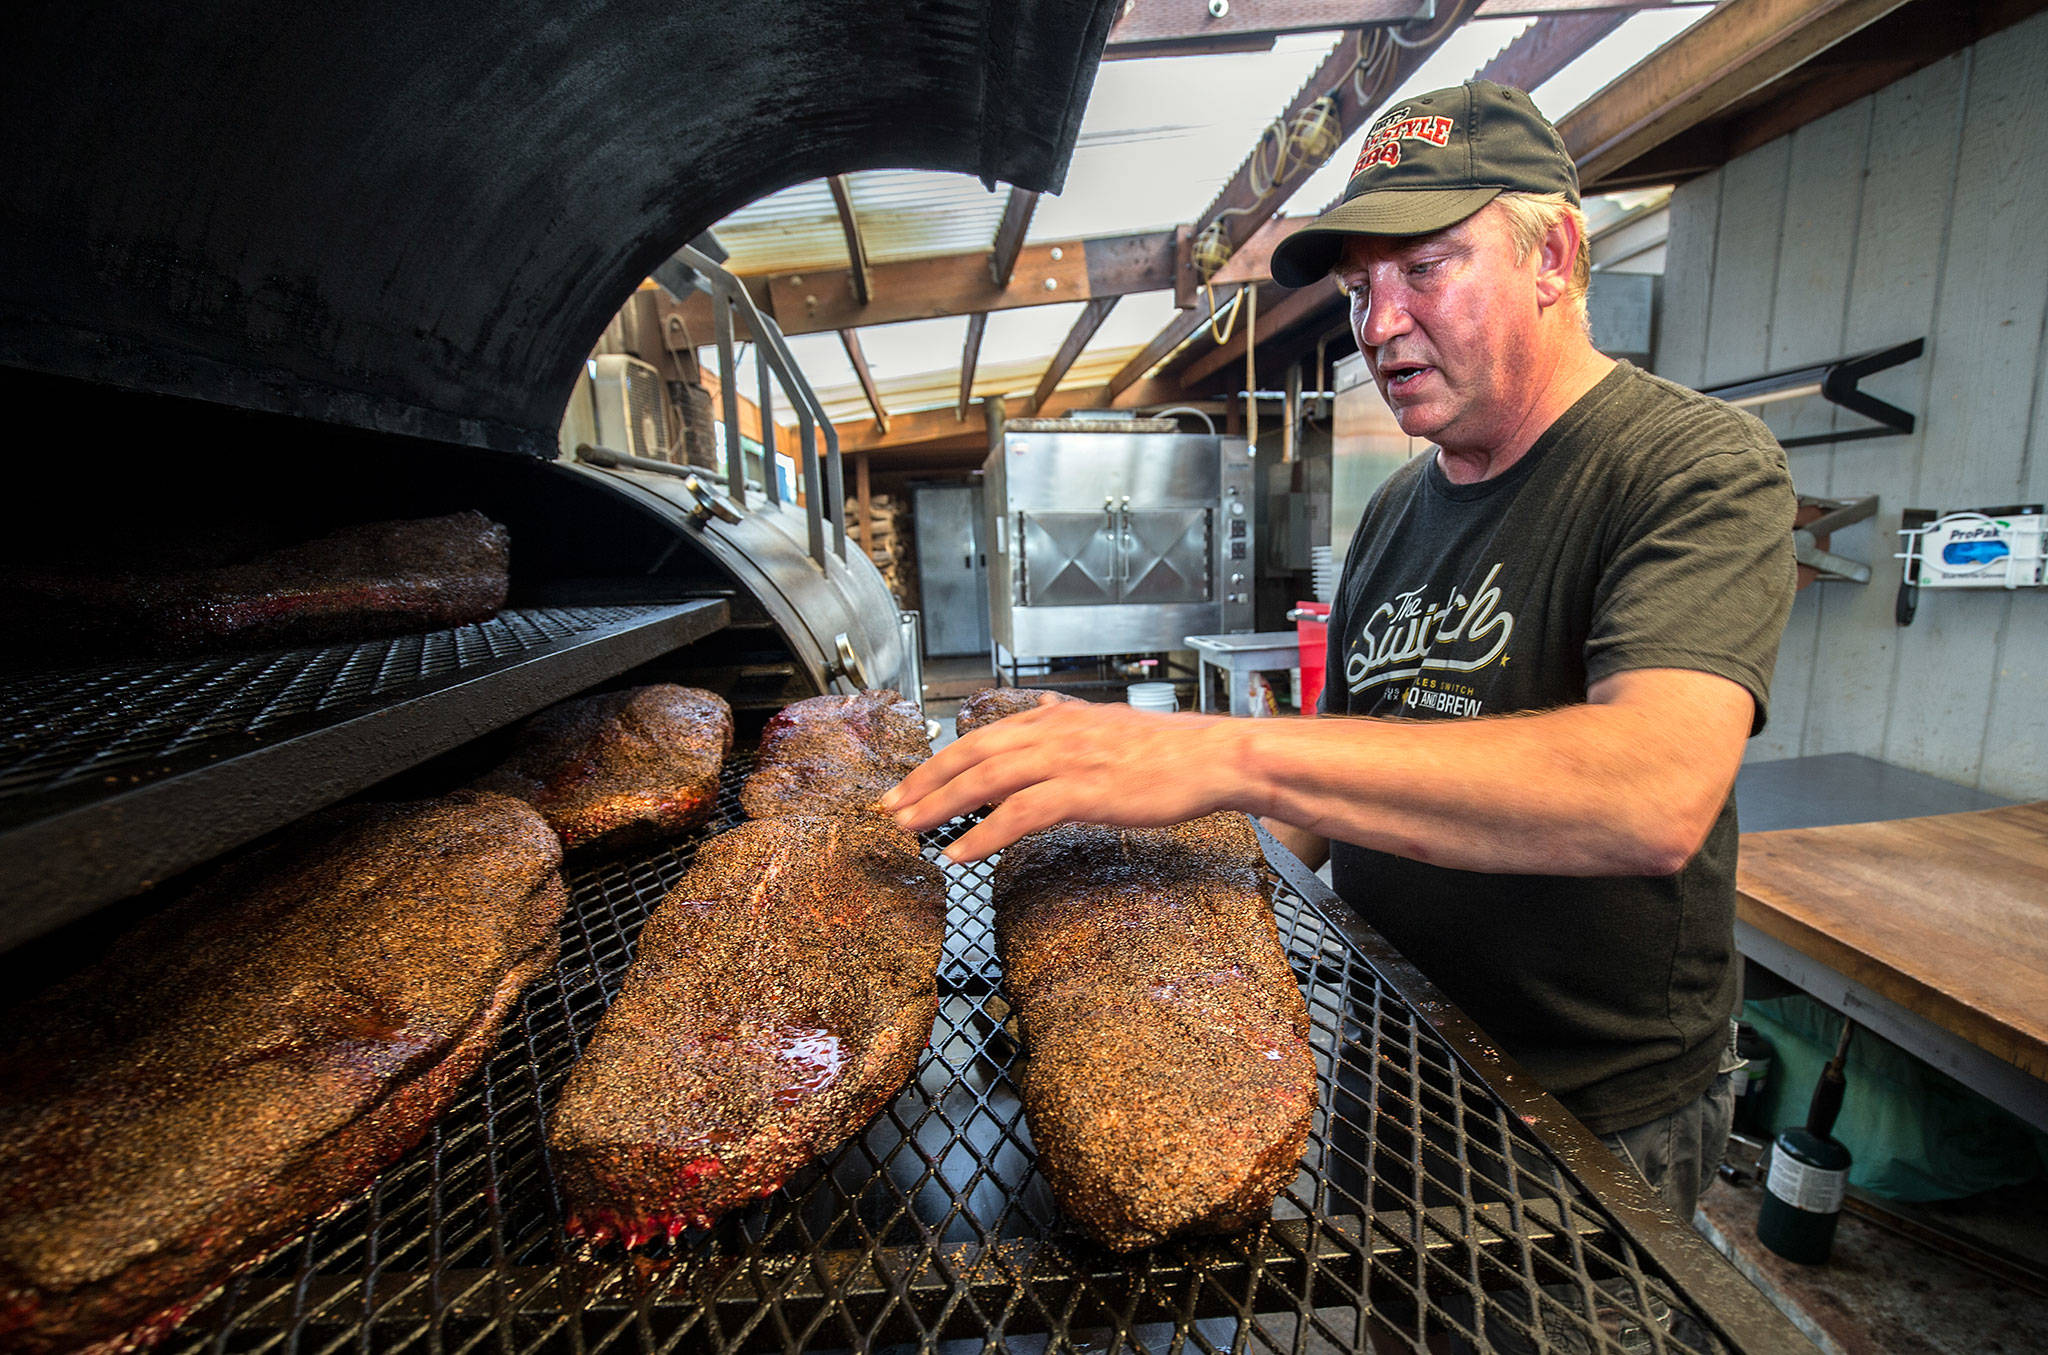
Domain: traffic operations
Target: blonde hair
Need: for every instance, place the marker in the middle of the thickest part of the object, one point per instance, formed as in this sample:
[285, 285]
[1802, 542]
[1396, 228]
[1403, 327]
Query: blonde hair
[1531, 215]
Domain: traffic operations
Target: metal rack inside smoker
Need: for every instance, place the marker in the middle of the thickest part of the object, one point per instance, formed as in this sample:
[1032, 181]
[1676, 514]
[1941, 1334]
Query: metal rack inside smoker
[117, 775]
[1434, 1197]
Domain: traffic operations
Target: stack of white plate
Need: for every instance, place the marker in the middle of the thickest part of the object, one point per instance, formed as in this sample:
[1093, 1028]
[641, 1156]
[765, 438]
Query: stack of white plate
[1322, 573]
[1151, 696]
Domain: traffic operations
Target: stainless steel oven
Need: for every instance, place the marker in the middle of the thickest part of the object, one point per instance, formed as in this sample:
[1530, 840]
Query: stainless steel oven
[1116, 537]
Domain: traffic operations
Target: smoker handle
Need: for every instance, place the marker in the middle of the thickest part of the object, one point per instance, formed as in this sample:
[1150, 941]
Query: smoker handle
[1123, 542]
[848, 663]
[1023, 562]
[708, 504]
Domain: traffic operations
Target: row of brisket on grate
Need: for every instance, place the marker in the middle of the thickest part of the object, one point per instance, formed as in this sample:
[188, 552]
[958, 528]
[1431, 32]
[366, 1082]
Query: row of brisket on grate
[253, 1055]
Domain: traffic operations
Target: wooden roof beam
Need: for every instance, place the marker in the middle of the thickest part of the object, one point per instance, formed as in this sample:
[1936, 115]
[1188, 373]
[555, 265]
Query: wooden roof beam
[936, 431]
[1010, 232]
[1162, 346]
[1548, 46]
[867, 378]
[1090, 319]
[970, 356]
[930, 425]
[819, 301]
[1705, 70]
[856, 251]
[1277, 316]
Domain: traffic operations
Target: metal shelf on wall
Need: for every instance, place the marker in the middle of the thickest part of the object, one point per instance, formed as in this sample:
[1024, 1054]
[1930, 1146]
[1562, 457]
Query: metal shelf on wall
[116, 776]
[1836, 382]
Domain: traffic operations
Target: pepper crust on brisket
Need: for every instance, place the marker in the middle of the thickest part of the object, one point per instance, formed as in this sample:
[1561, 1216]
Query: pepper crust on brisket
[991, 704]
[620, 767]
[254, 1055]
[778, 999]
[1169, 1084]
[834, 754]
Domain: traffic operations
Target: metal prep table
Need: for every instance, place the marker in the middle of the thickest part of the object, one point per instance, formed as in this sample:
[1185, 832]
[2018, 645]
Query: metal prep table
[1236, 658]
[1859, 881]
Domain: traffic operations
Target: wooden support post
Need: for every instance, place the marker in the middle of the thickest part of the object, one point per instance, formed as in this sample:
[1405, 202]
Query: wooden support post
[1250, 322]
[970, 356]
[860, 493]
[867, 378]
[1289, 412]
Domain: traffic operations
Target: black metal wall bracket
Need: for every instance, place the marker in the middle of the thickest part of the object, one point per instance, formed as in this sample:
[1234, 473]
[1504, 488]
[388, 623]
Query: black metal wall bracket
[1835, 382]
[1810, 539]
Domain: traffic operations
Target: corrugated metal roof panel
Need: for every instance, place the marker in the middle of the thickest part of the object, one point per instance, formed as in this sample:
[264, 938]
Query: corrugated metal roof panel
[903, 214]
[908, 214]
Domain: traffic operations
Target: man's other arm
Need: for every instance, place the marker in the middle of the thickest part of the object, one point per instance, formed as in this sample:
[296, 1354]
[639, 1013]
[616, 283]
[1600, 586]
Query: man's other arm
[1629, 783]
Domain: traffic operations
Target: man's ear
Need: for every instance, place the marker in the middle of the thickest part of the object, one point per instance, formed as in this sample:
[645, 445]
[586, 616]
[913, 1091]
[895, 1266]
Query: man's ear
[1557, 255]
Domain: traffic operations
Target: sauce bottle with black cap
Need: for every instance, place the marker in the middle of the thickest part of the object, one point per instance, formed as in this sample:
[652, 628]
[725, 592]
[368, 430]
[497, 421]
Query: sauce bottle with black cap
[1809, 1174]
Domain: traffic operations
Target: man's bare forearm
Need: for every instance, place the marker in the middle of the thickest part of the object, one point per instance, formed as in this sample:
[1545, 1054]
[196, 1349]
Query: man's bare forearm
[1595, 789]
[1627, 784]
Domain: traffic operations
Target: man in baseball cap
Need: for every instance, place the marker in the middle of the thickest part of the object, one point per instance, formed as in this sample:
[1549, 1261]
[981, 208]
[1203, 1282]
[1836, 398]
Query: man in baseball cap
[1553, 634]
[1430, 162]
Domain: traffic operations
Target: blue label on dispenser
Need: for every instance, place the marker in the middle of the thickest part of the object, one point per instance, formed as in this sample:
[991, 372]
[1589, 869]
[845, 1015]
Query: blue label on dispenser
[1978, 552]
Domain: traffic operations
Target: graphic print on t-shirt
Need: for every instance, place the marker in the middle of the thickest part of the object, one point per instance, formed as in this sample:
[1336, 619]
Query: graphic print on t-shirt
[1427, 644]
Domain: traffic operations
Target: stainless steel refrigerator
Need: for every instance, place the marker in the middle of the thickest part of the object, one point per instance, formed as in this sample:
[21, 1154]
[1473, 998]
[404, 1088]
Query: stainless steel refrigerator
[952, 568]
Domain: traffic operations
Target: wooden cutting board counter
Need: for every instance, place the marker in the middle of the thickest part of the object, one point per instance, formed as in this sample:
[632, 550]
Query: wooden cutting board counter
[1946, 916]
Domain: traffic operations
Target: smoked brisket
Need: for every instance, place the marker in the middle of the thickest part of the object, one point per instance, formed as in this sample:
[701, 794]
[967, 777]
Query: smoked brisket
[834, 755]
[1169, 1083]
[621, 768]
[991, 704]
[254, 1055]
[377, 578]
[778, 999]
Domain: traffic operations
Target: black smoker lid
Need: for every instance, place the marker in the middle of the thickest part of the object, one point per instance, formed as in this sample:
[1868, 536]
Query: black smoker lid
[418, 218]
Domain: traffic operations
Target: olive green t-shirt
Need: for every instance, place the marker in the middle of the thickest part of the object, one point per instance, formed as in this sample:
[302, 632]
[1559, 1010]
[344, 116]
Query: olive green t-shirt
[1649, 527]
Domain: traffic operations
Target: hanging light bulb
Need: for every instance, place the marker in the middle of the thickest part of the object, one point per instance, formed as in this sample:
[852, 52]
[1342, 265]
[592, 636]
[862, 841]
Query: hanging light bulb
[1211, 250]
[1314, 133]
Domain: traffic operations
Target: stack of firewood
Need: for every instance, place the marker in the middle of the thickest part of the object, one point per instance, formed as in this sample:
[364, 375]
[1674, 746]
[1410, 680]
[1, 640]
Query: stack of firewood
[889, 543]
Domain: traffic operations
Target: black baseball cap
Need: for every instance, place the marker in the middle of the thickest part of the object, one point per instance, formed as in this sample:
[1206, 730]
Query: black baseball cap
[1430, 162]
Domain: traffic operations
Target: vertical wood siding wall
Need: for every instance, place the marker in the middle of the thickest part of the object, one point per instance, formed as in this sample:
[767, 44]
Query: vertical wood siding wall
[1921, 210]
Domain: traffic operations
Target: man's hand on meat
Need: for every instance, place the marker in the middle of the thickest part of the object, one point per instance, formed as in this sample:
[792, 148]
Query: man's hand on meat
[1627, 784]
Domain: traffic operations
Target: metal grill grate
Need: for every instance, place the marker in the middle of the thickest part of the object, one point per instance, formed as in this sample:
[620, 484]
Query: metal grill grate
[1424, 1205]
[126, 722]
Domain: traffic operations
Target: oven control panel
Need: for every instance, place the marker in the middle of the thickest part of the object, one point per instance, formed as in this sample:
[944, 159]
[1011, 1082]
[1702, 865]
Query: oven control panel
[1237, 536]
